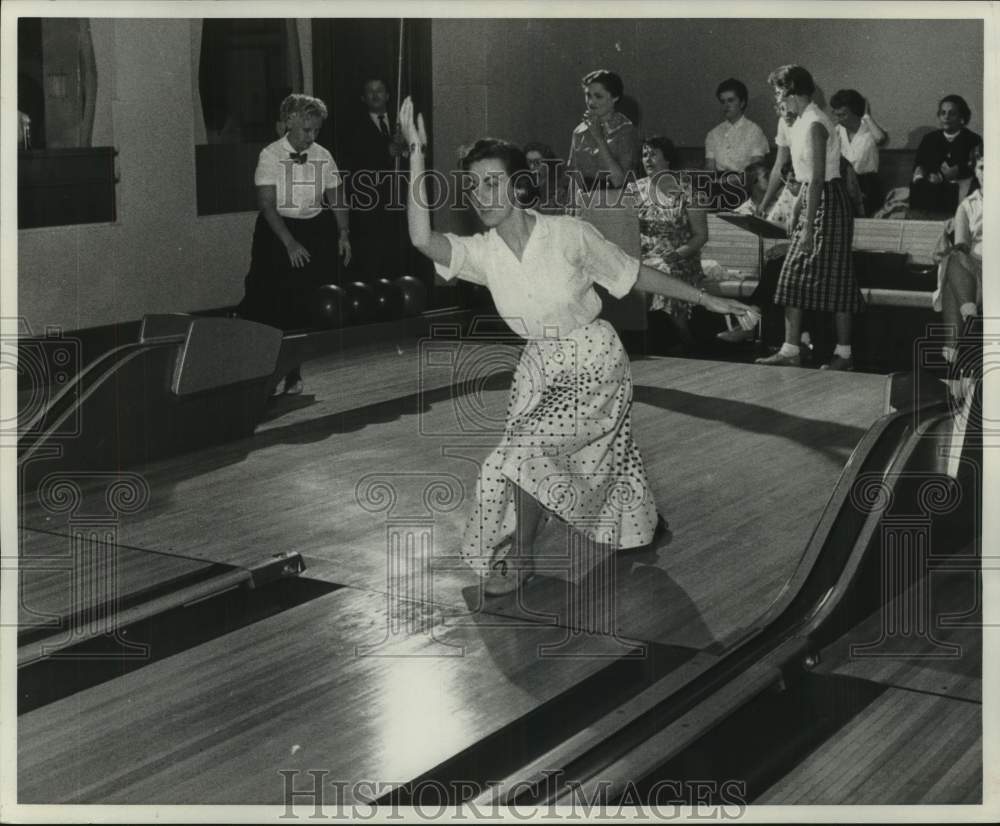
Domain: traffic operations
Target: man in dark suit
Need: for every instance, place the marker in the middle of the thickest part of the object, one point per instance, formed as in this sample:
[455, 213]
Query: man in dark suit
[378, 216]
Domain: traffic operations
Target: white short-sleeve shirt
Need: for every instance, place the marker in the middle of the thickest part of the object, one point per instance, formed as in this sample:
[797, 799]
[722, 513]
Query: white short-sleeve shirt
[732, 145]
[300, 185]
[861, 151]
[550, 291]
[800, 145]
[969, 223]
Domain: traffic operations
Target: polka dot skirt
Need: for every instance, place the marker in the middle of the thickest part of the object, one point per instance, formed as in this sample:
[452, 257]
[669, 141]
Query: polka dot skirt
[568, 443]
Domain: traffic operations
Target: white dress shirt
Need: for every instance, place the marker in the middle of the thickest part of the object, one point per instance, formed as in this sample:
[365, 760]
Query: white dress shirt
[732, 145]
[300, 185]
[861, 151]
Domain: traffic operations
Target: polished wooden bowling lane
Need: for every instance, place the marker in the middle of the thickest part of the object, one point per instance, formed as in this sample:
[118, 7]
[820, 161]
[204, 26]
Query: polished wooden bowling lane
[63, 598]
[381, 370]
[740, 458]
[904, 748]
[366, 681]
[217, 724]
[919, 739]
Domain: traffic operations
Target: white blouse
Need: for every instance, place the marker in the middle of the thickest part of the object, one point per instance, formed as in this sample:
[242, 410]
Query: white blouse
[550, 291]
[800, 145]
[300, 185]
[969, 223]
[732, 145]
[861, 151]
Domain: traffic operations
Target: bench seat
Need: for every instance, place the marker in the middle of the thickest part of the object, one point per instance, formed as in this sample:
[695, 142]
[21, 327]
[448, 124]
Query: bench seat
[737, 253]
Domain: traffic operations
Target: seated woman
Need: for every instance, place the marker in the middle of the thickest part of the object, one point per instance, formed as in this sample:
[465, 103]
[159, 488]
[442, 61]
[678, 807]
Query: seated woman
[550, 180]
[782, 212]
[960, 275]
[735, 143]
[860, 138]
[941, 171]
[756, 176]
[603, 149]
[671, 232]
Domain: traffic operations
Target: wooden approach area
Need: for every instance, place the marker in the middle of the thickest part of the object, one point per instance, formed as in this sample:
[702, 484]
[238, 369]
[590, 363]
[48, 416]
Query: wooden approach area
[369, 476]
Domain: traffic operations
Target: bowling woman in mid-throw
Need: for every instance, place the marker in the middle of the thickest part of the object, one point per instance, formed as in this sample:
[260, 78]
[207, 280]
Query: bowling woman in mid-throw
[567, 447]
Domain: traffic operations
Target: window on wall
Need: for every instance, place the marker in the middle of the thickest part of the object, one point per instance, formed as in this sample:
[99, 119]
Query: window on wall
[30, 84]
[246, 68]
[62, 178]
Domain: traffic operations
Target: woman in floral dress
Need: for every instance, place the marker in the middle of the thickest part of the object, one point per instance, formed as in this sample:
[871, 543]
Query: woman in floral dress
[671, 231]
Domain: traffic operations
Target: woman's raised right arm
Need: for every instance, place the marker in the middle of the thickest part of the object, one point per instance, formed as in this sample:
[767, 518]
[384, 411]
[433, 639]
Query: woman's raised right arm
[432, 244]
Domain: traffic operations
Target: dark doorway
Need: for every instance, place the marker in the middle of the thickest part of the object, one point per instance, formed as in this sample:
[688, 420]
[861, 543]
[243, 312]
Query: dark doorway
[346, 52]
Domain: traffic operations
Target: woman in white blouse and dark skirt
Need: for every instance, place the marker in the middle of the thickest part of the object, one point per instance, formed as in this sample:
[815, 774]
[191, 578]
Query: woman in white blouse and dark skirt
[818, 273]
[567, 447]
[860, 137]
[296, 239]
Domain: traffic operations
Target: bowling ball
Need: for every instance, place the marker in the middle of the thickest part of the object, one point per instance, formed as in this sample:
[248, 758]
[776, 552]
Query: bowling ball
[361, 303]
[413, 295]
[328, 307]
[388, 300]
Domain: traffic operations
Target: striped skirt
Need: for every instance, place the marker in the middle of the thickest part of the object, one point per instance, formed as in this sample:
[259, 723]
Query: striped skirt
[567, 443]
[824, 278]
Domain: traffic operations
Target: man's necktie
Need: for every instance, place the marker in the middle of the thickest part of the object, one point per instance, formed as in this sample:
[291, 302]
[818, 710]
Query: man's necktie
[383, 127]
[298, 157]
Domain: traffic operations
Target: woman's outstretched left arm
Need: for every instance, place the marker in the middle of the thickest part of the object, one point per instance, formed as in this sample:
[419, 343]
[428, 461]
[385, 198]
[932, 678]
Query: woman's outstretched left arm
[654, 281]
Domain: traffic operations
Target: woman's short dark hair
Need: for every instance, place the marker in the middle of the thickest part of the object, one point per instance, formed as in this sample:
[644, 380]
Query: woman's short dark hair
[542, 149]
[609, 80]
[849, 99]
[514, 162]
[792, 80]
[964, 112]
[666, 146]
[733, 85]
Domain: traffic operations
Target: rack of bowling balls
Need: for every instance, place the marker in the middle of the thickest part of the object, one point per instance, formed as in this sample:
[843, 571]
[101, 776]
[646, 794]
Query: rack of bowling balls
[332, 306]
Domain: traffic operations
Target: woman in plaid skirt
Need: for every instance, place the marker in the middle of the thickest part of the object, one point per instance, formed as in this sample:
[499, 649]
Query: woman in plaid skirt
[818, 273]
